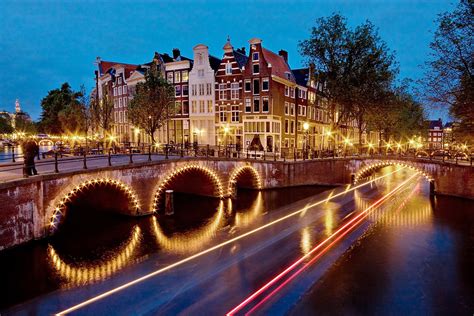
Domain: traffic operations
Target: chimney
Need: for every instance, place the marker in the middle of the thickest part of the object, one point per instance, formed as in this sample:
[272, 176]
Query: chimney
[176, 53]
[284, 54]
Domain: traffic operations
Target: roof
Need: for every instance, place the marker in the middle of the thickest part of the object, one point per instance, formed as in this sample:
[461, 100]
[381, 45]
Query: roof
[106, 66]
[436, 124]
[449, 125]
[240, 58]
[301, 76]
[214, 62]
[279, 65]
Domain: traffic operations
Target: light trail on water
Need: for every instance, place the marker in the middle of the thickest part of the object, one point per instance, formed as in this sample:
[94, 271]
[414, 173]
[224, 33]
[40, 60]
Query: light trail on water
[342, 231]
[225, 243]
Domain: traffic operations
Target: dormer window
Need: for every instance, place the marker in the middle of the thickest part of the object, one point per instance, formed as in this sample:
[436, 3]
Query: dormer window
[288, 75]
[255, 56]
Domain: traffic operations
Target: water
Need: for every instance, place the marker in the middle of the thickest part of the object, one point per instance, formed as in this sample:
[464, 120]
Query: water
[95, 244]
[6, 152]
[417, 259]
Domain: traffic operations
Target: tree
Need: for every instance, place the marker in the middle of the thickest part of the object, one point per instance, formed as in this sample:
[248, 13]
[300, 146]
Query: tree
[101, 113]
[24, 124]
[5, 124]
[153, 103]
[356, 66]
[61, 105]
[449, 79]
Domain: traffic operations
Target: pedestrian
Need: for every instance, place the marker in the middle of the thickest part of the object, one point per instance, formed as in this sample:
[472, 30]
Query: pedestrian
[31, 150]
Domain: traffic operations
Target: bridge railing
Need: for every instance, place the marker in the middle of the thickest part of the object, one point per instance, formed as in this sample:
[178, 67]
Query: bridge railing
[15, 165]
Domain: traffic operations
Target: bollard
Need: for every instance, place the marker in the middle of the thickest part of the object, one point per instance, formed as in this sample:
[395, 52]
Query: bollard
[13, 154]
[149, 153]
[169, 203]
[166, 151]
[56, 170]
[85, 160]
[110, 158]
[131, 156]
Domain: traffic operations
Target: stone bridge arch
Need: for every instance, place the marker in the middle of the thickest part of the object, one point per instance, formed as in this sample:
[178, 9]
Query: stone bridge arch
[60, 204]
[369, 166]
[245, 176]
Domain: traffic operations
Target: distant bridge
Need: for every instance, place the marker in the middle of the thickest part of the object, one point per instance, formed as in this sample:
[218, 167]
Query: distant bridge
[34, 207]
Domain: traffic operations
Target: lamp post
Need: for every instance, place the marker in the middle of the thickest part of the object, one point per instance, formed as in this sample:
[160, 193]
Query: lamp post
[305, 128]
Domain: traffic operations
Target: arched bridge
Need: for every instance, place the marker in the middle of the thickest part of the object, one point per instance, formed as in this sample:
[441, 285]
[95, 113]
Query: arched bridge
[34, 207]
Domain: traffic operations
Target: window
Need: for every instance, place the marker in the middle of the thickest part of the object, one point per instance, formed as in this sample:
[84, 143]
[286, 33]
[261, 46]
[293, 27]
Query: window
[265, 84]
[256, 105]
[256, 69]
[209, 106]
[201, 73]
[120, 102]
[222, 92]
[125, 116]
[193, 107]
[287, 75]
[265, 105]
[292, 109]
[208, 88]
[177, 77]
[304, 110]
[115, 104]
[185, 90]
[228, 68]
[185, 107]
[119, 80]
[201, 89]
[235, 113]
[193, 90]
[115, 91]
[287, 108]
[287, 126]
[120, 90]
[201, 106]
[256, 86]
[300, 112]
[177, 107]
[177, 91]
[248, 106]
[292, 127]
[169, 76]
[124, 89]
[292, 92]
[222, 116]
[125, 101]
[234, 90]
[287, 91]
[185, 76]
[255, 56]
[247, 86]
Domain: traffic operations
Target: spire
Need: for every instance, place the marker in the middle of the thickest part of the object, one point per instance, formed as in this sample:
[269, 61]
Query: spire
[17, 106]
[228, 46]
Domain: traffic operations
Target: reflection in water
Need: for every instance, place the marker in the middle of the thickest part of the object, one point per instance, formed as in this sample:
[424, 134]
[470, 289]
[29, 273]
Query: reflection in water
[306, 242]
[243, 219]
[93, 272]
[330, 209]
[191, 241]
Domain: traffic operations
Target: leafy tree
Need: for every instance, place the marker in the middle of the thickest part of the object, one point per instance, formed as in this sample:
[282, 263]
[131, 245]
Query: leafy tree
[449, 80]
[355, 65]
[101, 113]
[64, 101]
[24, 124]
[5, 124]
[153, 102]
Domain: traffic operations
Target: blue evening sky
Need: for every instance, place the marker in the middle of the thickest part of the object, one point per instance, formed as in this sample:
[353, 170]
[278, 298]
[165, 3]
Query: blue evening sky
[46, 43]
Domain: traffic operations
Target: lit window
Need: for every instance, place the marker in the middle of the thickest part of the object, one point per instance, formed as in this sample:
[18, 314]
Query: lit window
[169, 76]
[235, 113]
[222, 92]
[287, 108]
[177, 77]
[234, 90]
[201, 106]
[287, 126]
[208, 89]
[292, 109]
[193, 106]
[209, 106]
[185, 76]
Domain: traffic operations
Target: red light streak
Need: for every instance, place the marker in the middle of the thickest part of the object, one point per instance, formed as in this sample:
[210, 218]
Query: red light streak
[351, 224]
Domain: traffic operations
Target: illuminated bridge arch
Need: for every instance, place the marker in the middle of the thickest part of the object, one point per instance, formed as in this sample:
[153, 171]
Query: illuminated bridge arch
[46, 142]
[59, 210]
[372, 167]
[244, 177]
[178, 182]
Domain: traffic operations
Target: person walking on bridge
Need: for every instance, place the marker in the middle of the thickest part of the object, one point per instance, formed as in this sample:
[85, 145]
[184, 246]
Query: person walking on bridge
[30, 151]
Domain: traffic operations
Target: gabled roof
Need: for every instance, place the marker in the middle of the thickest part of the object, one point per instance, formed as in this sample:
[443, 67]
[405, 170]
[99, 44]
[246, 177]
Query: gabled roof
[106, 66]
[240, 58]
[301, 76]
[279, 65]
[436, 123]
[214, 62]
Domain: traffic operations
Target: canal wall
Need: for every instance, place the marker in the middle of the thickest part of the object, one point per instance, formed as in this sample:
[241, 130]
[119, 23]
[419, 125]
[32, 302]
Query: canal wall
[31, 207]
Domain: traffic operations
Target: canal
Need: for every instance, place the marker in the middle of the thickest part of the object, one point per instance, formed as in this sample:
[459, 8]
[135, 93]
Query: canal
[413, 254]
[95, 244]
